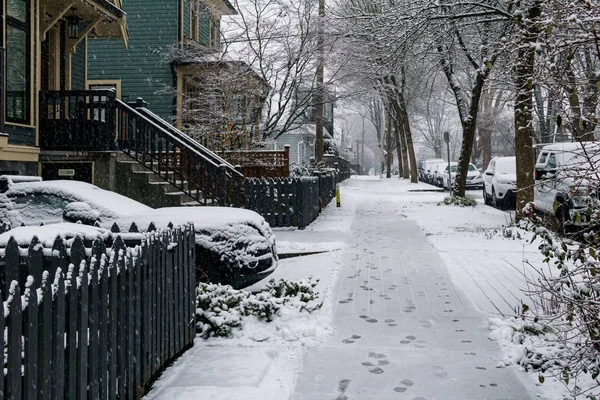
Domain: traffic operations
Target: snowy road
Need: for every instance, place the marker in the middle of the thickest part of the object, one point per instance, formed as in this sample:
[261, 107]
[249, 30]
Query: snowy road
[403, 330]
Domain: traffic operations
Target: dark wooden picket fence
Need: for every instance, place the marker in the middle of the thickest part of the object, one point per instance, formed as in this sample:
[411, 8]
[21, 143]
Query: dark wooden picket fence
[290, 201]
[96, 326]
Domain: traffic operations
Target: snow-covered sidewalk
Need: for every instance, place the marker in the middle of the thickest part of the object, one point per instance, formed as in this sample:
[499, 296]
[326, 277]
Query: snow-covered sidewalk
[407, 287]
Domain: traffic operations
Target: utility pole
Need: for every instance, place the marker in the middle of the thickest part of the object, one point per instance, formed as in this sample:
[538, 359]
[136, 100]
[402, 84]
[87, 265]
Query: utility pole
[357, 162]
[362, 150]
[320, 95]
[447, 140]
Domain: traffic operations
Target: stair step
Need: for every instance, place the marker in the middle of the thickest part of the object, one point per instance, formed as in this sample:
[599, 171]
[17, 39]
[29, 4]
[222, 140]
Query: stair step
[192, 204]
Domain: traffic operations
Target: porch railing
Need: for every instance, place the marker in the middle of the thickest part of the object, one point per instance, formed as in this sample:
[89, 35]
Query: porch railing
[78, 120]
[261, 163]
[177, 158]
[96, 120]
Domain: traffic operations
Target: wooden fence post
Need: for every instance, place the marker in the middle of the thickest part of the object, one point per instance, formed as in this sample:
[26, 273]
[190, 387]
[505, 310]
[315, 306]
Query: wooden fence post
[82, 331]
[11, 272]
[58, 330]
[113, 301]
[223, 183]
[30, 335]
[15, 344]
[45, 339]
[71, 334]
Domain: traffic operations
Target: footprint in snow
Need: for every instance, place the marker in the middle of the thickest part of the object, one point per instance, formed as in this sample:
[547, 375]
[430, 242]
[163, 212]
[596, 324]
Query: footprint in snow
[390, 322]
[406, 383]
[342, 387]
[368, 319]
[351, 339]
[381, 361]
[439, 372]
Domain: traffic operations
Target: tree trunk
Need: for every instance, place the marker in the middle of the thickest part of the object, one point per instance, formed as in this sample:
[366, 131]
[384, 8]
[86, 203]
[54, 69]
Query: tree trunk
[389, 156]
[402, 116]
[485, 136]
[524, 69]
[400, 150]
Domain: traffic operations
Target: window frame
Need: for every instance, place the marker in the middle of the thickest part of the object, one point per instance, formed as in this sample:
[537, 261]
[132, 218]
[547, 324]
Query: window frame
[24, 26]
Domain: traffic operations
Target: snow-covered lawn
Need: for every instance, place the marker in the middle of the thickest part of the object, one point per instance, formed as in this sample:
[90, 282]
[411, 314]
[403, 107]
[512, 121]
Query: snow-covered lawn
[484, 261]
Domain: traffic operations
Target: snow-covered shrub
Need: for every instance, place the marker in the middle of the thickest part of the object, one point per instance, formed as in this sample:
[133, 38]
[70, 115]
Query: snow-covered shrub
[220, 309]
[301, 294]
[297, 171]
[459, 201]
[507, 232]
[566, 293]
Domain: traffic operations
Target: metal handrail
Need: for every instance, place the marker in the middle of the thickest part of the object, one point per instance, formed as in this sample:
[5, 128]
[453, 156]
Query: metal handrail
[192, 143]
[194, 171]
[125, 107]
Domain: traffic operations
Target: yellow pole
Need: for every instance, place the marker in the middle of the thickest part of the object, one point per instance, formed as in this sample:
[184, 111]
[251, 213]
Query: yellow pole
[337, 196]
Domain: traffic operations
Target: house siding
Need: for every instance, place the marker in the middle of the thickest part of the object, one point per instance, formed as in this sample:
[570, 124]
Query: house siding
[78, 67]
[143, 69]
[204, 22]
[20, 135]
[186, 19]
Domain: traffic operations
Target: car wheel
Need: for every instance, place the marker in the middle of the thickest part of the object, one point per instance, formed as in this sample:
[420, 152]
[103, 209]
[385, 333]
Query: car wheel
[486, 199]
[495, 201]
[562, 216]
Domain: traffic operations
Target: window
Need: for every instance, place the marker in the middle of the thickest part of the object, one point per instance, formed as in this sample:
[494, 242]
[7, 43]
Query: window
[552, 161]
[18, 79]
[195, 9]
[215, 34]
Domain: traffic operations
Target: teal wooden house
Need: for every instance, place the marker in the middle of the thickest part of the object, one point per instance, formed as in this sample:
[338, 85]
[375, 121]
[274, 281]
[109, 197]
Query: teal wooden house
[95, 130]
[147, 69]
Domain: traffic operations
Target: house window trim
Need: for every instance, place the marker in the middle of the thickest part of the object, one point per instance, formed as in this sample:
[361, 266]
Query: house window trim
[195, 20]
[26, 27]
[104, 82]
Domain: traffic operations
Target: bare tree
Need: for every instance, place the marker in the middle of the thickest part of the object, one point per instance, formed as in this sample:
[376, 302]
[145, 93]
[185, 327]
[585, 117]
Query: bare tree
[280, 41]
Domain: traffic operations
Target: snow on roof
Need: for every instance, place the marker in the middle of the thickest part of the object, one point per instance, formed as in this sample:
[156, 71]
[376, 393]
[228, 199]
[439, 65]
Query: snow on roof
[111, 204]
[48, 233]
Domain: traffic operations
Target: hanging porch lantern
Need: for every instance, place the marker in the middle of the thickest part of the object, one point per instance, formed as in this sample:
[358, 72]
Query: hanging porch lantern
[73, 27]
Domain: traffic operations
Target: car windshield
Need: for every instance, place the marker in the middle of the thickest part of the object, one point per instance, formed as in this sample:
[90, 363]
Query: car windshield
[506, 166]
[37, 208]
[454, 168]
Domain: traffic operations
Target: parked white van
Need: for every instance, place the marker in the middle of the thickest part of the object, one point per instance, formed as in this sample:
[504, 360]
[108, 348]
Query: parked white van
[562, 174]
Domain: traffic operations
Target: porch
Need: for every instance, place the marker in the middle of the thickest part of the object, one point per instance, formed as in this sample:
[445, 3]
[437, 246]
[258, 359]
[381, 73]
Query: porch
[97, 121]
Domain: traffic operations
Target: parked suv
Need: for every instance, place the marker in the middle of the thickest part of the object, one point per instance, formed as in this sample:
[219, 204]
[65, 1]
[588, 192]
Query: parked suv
[561, 184]
[500, 182]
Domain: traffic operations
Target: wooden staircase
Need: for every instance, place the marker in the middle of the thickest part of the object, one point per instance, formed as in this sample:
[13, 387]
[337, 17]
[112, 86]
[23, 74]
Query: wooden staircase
[159, 163]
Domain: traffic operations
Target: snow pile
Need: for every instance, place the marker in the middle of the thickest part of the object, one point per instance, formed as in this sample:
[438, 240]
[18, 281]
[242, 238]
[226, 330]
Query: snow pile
[223, 311]
[530, 345]
[48, 233]
[80, 211]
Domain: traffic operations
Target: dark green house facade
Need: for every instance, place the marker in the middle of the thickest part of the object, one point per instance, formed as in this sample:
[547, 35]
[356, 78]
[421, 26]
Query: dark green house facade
[147, 68]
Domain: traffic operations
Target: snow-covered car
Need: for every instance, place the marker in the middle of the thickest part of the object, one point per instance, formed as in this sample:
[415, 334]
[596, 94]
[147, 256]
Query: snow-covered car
[500, 182]
[234, 246]
[562, 184]
[474, 178]
[438, 175]
[430, 166]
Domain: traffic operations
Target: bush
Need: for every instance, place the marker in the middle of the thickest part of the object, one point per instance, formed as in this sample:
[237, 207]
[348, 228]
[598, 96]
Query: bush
[220, 309]
[459, 201]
